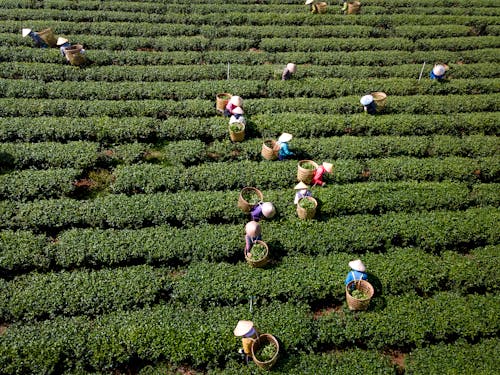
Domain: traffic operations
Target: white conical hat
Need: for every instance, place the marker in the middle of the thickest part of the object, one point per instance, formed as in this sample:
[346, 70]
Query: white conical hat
[61, 41]
[291, 67]
[243, 327]
[357, 265]
[309, 2]
[328, 167]
[252, 228]
[365, 100]
[285, 137]
[268, 209]
[236, 100]
[238, 111]
[439, 70]
[25, 32]
[301, 186]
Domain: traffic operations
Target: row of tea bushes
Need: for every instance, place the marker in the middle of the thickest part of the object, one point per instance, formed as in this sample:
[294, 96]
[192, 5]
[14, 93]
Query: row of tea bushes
[295, 279]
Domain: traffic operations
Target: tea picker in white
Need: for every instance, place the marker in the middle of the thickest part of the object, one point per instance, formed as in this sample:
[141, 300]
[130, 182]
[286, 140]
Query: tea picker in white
[63, 43]
[369, 104]
[253, 233]
[438, 72]
[320, 171]
[260, 210]
[358, 271]
[302, 192]
[288, 71]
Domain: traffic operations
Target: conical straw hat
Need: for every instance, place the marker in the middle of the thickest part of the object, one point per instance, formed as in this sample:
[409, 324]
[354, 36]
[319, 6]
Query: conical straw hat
[61, 41]
[328, 167]
[438, 70]
[301, 186]
[309, 2]
[25, 32]
[357, 265]
[238, 111]
[285, 137]
[252, 228]
[268, 209]
[367, 99]
[236, 100]
[291, 67]
[243, 327]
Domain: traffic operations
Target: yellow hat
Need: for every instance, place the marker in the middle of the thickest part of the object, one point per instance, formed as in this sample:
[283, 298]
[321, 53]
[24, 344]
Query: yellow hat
[328, 167]
[61, 41]
[243, 327]
[301, 186]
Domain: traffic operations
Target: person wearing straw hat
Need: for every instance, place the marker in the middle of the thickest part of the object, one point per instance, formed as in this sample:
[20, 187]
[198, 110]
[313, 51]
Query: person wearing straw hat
[261, 210]
[438, 72]
[320, 171]
[369, 104]
[358, 271]
[246, 330]
[63, 43]
[253, 233]
[39, 42]
[314, 8]
[288, 71]
[232, 104]
[284, 151]
[302, 192]
[237, 116]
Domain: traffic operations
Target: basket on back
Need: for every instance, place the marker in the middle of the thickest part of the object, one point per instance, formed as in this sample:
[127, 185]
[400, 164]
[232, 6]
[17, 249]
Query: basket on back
[306, 212]
[249, 197]
[270, 149]
[321, 7]
[262, 341]
[221, 101]
[74, 55]
[262, 260]
[356, 303]
[48, 37]
[237, 132]
[305, 170]
[379, 98]
[353, 7]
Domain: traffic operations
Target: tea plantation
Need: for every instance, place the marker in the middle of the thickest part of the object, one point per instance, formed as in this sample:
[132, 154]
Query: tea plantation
[121, 242]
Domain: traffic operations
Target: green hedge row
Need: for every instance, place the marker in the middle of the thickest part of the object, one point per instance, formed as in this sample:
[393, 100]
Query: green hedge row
[421, 104]
[77, 154]
[356, 58]
[45, 296]
[179, 334]
[308, 87]
[29, 184]
[172, 73]
[122, 130]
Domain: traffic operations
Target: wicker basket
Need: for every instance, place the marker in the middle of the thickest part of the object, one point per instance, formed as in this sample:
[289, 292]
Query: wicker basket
[353, 7]
[321, 7]
[303, 174]
[75, 57]
[221, 101]
[379, 98]
[270, 149]
[261, 262]
[359, 304]
[243, 204]
[302, 213]
[237, 136]
[263, 339]
[48, 37]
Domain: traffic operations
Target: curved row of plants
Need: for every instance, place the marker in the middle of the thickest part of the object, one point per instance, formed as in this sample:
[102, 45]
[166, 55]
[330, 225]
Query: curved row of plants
[295, 279]
[305, 88]
[178, 333]
[107, 130]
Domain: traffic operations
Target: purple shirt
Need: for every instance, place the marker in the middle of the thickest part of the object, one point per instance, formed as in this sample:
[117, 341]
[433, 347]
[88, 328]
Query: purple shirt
[256, 212]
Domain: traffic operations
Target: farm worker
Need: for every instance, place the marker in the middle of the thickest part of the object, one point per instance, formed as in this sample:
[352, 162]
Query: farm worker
[344, 6]
[237, 116]
[369, 104]
[63, 43]
[248, 334]
[438, 72]
[320, 171]
[39, 42]
[260, 210]
[288, 71]
[302, 192]
[357, 271]
[283, 140]
[314, 8]
[232, 104]
[253, 233]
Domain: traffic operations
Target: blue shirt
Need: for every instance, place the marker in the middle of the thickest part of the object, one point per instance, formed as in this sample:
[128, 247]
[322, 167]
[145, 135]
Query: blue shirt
[433, 76]
[351, 276]
[284, 151]
[63, 47]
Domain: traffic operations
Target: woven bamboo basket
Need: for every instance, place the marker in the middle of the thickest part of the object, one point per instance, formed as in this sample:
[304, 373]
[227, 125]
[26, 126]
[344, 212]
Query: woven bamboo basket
[321, 7]
[261, 262]
[237, 136]
[243, 204]
[270, 149]
[74, 55]
[48, 37]
[221, 101]
[302, 213]
[379, 98]
[353, 7]
[303, 174]
[264, 339]
[355, 304]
